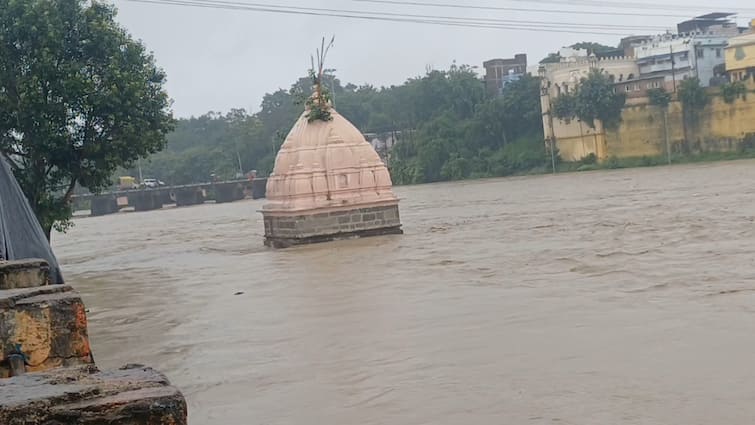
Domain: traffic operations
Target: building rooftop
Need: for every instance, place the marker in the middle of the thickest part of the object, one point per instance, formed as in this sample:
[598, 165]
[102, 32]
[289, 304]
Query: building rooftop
[715, 16]
[742, 40]
[702, 23]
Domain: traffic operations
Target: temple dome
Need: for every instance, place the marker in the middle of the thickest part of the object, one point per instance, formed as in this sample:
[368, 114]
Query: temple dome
[327, 165]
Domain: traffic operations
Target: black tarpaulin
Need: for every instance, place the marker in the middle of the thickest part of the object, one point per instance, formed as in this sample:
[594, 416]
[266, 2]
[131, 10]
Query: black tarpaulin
[21, 236]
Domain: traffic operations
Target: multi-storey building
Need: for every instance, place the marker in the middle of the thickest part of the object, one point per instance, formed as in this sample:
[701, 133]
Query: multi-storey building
[499, 72]
[740, 56]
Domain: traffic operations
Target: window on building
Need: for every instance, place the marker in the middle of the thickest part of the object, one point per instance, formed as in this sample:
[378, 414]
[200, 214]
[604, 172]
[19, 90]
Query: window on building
[636, 87]
[627, 88]
[621, 77]
[700, 53]
[718, 52]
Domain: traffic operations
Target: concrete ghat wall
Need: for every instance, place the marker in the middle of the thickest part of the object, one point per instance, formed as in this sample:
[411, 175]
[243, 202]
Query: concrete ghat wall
[47, 375]
[302, 227]
[719, 127]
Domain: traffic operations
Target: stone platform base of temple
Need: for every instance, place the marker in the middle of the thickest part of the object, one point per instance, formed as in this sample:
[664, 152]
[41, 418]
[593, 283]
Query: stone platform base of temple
[133, 395]
[283, 231]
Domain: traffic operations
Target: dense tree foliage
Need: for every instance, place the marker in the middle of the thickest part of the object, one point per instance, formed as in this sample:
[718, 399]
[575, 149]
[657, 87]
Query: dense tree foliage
[593, 100]
[734, 90]
[694, 98]
[591, 47]
[659, 97]
[448, 129]
[78, 99]
[692, 95]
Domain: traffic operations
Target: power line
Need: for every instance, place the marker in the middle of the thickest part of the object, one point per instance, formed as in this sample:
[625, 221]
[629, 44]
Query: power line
[518, 9]
[637, 5]
[405, 18]
[434, 17]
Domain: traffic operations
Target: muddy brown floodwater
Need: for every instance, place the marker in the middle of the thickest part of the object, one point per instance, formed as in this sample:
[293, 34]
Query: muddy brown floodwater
[623, 297]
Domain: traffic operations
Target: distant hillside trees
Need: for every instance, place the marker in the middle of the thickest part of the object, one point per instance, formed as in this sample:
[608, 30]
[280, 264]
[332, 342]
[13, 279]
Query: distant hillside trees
[450, 129]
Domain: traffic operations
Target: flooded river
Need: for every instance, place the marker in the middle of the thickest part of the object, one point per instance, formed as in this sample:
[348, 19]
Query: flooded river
[623, 297]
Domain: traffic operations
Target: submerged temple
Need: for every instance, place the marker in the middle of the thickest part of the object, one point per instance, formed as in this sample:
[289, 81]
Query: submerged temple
[328, 183]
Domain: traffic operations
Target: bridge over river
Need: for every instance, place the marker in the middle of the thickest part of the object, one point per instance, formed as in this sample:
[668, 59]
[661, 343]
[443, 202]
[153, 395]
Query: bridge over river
[184, 195]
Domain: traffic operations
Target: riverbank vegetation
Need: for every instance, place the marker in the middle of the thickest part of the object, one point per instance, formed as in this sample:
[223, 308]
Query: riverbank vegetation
[447, 128]
[613, 163]
[79, 98]
[446, 125]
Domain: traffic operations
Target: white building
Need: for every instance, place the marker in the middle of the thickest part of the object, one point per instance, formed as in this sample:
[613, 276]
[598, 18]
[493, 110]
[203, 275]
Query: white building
[694, 55]
[570, 54]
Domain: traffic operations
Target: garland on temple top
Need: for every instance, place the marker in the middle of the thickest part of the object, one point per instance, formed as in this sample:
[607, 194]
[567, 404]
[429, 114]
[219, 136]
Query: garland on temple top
[318, 105]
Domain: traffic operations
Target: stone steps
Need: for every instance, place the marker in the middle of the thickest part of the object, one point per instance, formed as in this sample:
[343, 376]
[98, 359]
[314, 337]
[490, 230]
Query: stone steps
[24, 274]
[133, 395]
[48, 322]
[45, 346]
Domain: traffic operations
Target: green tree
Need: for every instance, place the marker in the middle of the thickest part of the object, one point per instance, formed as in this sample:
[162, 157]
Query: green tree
[592, 47]
[733, 91]
[596, 100]
[693, 95]
[78, 99]
[661, 98]
[465, 135]
[446, 126]
[694, 99]
[551, 58]
[593, 100]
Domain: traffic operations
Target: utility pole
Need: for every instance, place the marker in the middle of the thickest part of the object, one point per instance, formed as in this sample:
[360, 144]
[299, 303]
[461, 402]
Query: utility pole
[552, 138]
[665, 132]
[238, 156]
[139, 166]
[673, 69]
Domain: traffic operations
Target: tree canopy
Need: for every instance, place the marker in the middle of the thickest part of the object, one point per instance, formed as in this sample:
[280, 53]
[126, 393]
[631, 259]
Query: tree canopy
[78, 99]
[594, 99]
[447, 129]
[591, 47]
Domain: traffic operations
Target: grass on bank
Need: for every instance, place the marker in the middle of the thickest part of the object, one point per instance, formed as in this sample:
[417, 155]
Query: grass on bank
[612, 163]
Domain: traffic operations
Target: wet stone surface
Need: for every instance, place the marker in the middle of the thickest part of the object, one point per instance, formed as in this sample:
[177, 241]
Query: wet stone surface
[132, 395]
[23, 274]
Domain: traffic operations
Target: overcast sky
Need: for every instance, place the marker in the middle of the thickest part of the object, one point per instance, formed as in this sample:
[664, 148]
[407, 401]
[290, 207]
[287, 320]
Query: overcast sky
[222, 59]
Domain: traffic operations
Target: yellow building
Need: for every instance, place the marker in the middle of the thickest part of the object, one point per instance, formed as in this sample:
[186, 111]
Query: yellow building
[575, 139]
[740, 57]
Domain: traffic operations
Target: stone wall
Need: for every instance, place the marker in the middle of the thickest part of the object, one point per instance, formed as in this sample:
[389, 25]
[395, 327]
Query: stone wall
[132, 395]
[720, 127]
[281, 231]
[48, 322]
[23, 274]
[47, 372]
